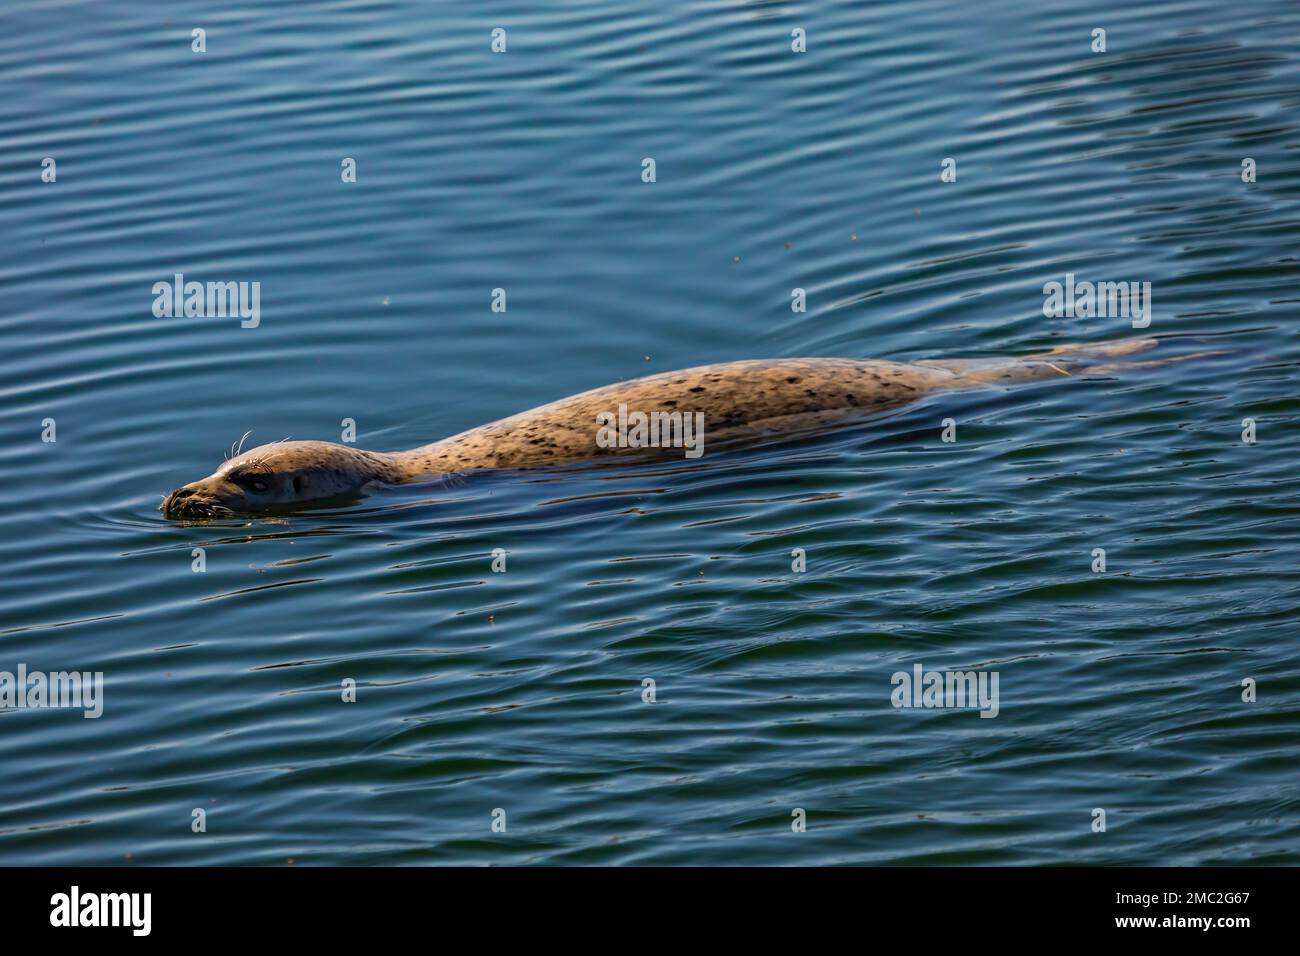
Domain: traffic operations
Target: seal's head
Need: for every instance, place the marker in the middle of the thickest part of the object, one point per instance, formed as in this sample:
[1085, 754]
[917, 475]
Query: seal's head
[279, 476]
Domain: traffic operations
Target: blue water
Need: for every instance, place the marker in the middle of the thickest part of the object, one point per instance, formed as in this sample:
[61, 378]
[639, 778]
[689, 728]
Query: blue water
[522, 691]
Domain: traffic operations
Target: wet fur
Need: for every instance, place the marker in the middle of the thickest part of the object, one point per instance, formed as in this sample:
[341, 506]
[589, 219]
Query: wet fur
[741, 402]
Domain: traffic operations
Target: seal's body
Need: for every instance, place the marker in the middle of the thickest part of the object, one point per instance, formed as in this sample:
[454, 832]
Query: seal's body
[740, 402]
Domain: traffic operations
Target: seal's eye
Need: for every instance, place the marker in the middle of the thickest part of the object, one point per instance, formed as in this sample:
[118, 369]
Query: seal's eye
[251, 482]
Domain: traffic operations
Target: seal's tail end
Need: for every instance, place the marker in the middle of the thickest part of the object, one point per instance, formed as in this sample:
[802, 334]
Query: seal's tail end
[1062, 361]
[1111, 349]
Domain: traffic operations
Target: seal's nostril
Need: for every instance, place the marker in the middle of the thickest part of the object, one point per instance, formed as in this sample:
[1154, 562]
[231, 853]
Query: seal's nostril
[171, 502]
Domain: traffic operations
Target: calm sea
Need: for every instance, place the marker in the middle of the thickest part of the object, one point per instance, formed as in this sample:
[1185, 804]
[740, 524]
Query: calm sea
[520, 695]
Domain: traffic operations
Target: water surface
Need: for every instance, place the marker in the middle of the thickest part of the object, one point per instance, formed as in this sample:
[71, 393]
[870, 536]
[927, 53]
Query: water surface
[523, 690]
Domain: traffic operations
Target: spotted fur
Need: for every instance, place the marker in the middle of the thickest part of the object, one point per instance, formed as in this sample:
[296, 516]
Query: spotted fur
[741, 402]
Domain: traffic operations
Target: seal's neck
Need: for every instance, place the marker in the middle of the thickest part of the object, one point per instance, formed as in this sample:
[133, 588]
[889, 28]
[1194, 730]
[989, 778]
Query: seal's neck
[427, 461]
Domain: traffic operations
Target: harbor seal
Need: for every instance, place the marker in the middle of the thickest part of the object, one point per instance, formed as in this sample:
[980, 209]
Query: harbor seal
[737, 402]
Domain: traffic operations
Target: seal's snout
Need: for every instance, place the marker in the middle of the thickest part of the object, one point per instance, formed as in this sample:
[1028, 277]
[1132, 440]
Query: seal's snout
[172, 501]
[189, 501]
